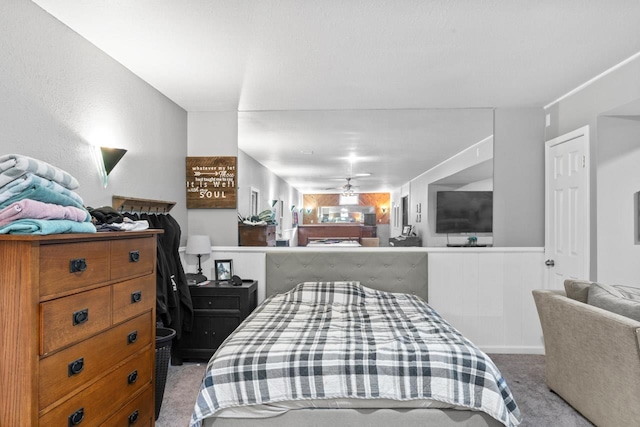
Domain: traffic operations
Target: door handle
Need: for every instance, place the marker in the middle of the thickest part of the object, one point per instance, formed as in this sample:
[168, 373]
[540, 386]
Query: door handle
[549, 263]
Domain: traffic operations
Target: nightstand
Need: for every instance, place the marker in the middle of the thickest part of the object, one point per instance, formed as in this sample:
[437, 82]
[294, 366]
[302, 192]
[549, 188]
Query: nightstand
[218, 309]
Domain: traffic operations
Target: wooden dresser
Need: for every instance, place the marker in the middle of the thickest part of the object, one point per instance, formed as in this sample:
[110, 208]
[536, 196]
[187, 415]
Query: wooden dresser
[77, 343]
[256, 235]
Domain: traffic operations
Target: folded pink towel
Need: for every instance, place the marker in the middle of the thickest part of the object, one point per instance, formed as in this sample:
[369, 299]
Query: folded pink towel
[34, 209]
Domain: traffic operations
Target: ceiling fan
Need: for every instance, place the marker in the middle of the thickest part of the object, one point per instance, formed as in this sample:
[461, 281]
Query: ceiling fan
[347, 189]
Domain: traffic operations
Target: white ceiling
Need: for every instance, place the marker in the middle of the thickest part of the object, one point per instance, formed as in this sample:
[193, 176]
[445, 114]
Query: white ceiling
[393, 145]
[285, 56]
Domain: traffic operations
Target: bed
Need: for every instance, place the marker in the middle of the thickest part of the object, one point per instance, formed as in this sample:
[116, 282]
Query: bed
[346, 352]
[333, 243]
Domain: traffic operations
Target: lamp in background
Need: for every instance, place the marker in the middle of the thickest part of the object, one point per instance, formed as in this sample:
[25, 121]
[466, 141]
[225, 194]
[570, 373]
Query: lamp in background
[198, 245]
[383, 209]
[110, 158]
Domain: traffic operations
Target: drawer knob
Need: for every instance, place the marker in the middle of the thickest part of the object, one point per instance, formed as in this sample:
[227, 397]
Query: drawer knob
[133, 377]
[76, 418]
[133, 418]
[76, 367]
[132, 337]
[136, 297]
[78, 264]
[80, 316]
[134, 256]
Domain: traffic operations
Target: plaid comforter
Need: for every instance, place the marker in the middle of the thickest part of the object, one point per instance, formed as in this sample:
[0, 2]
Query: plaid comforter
[325, 340]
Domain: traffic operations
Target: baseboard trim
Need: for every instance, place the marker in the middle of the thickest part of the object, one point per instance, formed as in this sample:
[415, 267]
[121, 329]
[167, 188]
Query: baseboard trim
[512, 350]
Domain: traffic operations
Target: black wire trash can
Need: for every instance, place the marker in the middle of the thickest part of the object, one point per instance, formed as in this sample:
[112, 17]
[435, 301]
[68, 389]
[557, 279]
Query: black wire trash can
[163, 354]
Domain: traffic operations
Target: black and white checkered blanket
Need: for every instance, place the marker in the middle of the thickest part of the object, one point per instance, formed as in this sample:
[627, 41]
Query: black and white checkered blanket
[325, 340]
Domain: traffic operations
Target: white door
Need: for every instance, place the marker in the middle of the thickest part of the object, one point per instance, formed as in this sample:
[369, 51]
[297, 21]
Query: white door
[567, 208]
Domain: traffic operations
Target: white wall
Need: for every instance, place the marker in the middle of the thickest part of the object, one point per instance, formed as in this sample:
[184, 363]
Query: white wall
[518, 177]
[423, 191]
[253, 175]
[482, 185]
[486, 295]
[213, 133]
[618, 179]
[419, 199]
[60, 94]
[615, 90]
[396, 200]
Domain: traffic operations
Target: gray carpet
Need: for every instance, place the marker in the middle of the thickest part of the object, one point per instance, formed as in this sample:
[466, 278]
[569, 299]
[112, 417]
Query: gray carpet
[538, 405]
[524, 374]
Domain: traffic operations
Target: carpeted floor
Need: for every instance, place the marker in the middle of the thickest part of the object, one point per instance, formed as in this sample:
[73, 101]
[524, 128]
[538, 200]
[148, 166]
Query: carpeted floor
[524, 374]
[538, 405]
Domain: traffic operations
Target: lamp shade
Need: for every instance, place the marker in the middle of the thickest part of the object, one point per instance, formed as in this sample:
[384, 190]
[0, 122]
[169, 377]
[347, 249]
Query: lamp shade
[111, 157]
[198, 245]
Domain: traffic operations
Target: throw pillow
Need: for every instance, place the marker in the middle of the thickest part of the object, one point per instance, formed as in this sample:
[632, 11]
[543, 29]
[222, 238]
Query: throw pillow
[629, 292]
[615, 300]
[327, 293]
[577, 289]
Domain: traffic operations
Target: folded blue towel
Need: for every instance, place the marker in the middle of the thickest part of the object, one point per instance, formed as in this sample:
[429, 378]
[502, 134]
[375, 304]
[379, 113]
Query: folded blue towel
[44, 226]
[36, 191]
[20, 184]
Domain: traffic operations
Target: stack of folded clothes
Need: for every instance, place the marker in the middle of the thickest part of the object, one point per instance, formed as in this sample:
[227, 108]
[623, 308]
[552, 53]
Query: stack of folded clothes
[108, 219]
[38, 198]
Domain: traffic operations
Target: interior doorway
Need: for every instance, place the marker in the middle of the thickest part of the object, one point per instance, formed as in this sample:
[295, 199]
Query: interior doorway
[567, 211]
[405, 211]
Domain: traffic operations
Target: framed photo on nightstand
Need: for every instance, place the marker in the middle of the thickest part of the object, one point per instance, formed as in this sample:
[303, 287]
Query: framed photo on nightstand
[223, 269]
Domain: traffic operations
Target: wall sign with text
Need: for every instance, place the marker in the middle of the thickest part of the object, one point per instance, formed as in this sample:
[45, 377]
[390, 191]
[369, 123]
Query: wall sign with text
[212, 182]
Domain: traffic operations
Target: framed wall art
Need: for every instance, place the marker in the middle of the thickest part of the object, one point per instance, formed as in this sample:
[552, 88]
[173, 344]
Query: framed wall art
[212, 182]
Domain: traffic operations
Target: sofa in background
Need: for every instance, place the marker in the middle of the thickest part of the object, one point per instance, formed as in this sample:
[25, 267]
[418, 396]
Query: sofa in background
[592, 354]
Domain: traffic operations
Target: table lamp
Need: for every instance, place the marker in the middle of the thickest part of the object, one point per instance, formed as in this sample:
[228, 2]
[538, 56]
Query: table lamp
[198, 245]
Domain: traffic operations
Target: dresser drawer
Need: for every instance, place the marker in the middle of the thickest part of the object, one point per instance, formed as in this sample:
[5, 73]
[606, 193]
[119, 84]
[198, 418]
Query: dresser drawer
[132, 257]
[71, 319]
[91, 358]
[106, 396]
[138, 413]
[69, 266]
[133, 297]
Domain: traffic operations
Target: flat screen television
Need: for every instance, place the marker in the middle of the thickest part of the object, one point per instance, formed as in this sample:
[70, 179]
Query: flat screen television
[464, 212]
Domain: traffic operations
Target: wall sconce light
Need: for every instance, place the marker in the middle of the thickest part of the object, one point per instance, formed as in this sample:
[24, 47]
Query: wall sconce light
[273, 203]
[293, 208]
[383, 209]
[309, 211]
[110, 158]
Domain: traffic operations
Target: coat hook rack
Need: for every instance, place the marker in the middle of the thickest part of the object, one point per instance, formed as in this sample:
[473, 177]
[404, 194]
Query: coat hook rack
[134, 204]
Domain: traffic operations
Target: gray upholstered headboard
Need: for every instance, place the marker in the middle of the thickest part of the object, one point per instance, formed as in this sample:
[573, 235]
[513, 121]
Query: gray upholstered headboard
[392, 270]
